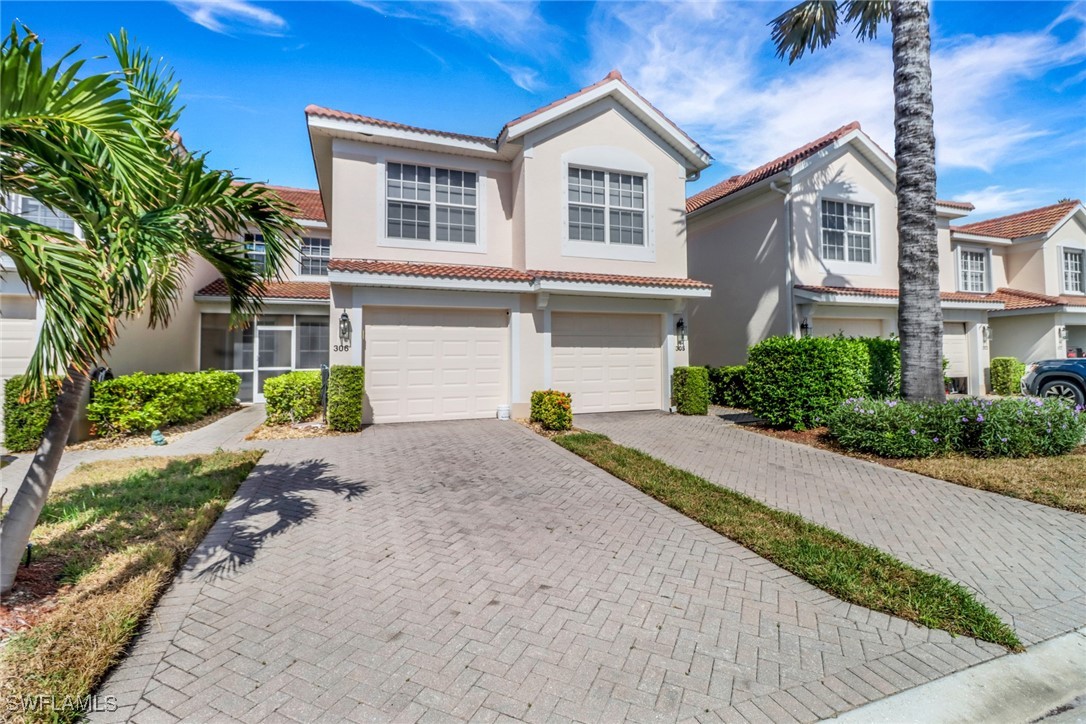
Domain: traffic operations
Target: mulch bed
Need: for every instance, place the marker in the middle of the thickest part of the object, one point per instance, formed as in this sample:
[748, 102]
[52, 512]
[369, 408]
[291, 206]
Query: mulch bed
[292, 432]
[171, 433]
[35, 594]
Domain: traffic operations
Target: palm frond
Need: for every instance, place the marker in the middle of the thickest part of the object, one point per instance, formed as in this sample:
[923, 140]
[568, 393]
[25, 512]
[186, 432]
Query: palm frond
[866, 15]
[804, 28]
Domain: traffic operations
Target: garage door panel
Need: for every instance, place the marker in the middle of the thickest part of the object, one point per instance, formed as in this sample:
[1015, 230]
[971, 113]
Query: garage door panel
[831, 326]
[435, 364]
[608, 362]
[955, 349]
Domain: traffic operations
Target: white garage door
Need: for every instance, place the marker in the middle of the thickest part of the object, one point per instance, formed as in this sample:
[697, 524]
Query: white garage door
[436, 364]
[955, 349]
[828, 327]
[608, 362]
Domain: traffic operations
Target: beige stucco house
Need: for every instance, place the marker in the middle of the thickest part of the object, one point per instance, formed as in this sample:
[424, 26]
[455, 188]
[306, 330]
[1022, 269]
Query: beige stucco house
[1036, 263]
[469, 271]
[807, 244]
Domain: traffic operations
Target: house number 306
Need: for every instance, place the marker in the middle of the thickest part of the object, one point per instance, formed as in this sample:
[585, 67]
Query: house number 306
[341, 348]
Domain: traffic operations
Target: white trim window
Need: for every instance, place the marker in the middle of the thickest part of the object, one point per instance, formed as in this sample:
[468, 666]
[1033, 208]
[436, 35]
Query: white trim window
[1073, 269]
[255, 250]
[316, 251]
[973, 266]
[431, 204]
[847, 232]
[606, 207]
[33, 210]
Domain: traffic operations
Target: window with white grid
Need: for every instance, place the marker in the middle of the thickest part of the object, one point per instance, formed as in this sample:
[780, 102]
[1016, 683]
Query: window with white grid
[1073, 271]
[254, 249]
[974, 269]
[846, 232]
[606, 207]
[315, 254]
[33, 210]
[431, 204]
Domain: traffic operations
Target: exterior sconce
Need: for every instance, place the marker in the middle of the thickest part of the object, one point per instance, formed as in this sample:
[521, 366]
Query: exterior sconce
[1061, 332]
[680, 335]
[344, 329]
[805, 328]
[987, 334]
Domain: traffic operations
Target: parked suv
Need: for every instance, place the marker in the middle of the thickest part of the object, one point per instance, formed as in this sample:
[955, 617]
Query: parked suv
[1064, 378]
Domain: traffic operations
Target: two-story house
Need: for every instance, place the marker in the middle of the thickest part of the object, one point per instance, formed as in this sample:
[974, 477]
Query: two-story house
[468, 271]
[807, 245]
[1035, 261]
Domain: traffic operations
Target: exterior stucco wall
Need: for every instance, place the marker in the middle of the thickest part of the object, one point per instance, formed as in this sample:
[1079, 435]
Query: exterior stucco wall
[1025, 267]
[1071, 235]
[741, 251]
[1028, 338]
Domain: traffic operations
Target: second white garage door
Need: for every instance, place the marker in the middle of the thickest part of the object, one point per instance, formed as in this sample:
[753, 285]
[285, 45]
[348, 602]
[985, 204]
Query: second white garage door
[829, 327]
[608, 362]
[436, 364]
[955, 349]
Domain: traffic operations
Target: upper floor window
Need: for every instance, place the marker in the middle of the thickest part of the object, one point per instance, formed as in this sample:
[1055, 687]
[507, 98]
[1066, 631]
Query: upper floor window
[974, 270]
[37, 212]
[315, 254]
[846, 231]
[254, 249]
[431, 204]
[606, 207]
[1073, 271]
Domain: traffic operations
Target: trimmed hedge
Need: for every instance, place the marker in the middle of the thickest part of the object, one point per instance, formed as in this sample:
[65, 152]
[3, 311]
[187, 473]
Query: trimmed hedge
[346, 393]
[24, 422]
[690, 390]
[1007, 373]
[884, 367]
[795, 382]
[292, 397]
[141, 402]
[728, 386]
[1021, 427]
[552, 409]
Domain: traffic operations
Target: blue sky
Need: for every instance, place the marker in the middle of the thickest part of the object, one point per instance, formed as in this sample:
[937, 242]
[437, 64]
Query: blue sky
[1010, 78]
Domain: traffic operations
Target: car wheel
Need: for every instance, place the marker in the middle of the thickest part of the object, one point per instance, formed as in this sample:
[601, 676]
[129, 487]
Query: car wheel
[1064, 390]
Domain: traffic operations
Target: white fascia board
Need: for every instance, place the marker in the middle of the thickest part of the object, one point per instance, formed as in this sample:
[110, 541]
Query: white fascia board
[310, 224]
[867, 148]
[429, 140]
[1029, 311]
[855, 300]
[619, 290]
[368, 279]
[1070, 215]
[699, 159]
[277, 300]
[979, 238]
[951, 212]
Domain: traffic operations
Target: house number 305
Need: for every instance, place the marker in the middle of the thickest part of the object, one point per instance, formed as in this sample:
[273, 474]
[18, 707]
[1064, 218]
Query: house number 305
[341, 348]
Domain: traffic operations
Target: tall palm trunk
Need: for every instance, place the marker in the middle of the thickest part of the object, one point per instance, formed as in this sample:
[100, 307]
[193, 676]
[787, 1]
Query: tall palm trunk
[920, 315]
[29, 501]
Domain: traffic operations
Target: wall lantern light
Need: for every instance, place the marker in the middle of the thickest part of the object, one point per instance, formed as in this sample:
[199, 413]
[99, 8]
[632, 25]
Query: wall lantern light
[344, 328]
[987, 334]
[805, 328]
[1062, 331]
[680, 335]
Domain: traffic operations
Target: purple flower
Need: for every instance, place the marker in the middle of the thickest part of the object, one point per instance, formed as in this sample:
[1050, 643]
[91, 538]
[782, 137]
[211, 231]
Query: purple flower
[912, 432]
[1003, 439]
[980, 418]
[935, 439]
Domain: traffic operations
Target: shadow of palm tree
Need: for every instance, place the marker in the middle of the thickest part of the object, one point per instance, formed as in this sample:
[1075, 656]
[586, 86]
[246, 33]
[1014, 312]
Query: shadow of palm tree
[273, 500]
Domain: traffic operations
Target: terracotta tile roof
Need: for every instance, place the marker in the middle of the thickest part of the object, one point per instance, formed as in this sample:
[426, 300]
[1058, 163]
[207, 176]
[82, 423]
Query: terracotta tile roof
[561, 276]
[893, 294]
[307, 201]
[275, 290]
[505, 274]
[314, 110]
[1021, 299]
[1024, 223]
[963, 205]
[736, 183]
[419, 269]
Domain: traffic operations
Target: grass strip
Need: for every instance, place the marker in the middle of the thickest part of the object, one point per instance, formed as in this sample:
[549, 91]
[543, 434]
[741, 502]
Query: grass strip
[849, 570]
[118, 531]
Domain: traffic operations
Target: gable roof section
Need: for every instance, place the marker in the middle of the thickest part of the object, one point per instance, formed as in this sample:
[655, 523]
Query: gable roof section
[322, 112]
[1021, 299]
[1024, 223]
[307, 201]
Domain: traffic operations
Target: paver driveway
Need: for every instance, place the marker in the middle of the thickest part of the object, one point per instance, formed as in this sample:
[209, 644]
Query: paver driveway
[1026, 561]
[474, 570]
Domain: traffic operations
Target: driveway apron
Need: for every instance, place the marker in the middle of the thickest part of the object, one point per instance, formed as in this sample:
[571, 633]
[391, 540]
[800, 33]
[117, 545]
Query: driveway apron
[473, 570]
[1026, 561]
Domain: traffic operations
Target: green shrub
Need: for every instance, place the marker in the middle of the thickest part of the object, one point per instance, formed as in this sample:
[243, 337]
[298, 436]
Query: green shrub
[552, 409]
[796, 382]
[292, 397]
[690, 390]
[884, 367]
[1007, 373]
[728, 386]
[346, 394]
[984, 428]
[141, 402]
[24, 422]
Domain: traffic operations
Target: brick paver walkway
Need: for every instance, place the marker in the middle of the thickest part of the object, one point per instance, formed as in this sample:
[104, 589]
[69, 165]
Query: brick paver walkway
[1026, 561]
[473, 570]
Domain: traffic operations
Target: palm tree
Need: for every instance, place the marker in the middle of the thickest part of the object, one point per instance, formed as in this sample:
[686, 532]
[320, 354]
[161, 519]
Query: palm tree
[814, 24]
[103, 150]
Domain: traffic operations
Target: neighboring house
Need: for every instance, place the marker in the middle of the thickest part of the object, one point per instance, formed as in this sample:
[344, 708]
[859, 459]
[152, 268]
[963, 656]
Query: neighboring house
[1036, 262]
[468, 271]
[807, 244]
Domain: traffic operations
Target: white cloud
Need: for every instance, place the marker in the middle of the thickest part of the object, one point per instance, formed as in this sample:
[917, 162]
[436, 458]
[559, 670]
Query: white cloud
[709, 66]
[996, 200]
[524, 77]
[224, 16]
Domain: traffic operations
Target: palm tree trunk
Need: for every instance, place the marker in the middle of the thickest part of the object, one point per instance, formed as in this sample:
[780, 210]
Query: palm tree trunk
[27, 505]
[920, 315]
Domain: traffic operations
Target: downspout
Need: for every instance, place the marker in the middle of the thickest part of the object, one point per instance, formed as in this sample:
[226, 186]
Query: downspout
[789, 245]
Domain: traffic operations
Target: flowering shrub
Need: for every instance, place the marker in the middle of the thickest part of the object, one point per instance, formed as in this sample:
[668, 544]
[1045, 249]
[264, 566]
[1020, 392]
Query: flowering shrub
[690, 390]
[984, 428]
[552, 409]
